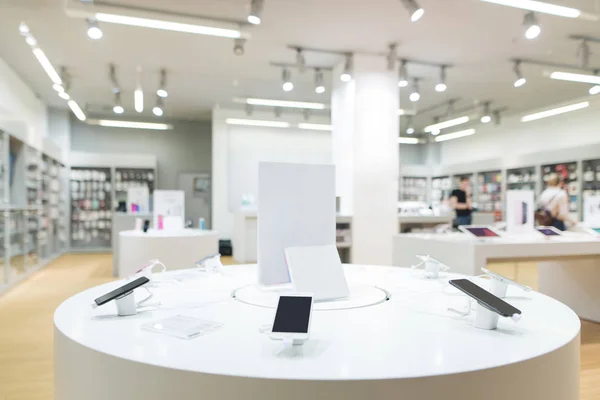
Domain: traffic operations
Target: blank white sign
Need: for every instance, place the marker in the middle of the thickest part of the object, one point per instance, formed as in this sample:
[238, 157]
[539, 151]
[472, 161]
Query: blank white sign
[296, 207]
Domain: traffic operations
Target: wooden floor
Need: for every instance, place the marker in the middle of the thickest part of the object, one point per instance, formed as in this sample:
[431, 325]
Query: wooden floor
[26, 312]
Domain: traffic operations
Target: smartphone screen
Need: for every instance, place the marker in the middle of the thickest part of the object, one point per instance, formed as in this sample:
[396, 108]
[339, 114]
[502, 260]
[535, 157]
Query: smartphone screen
[485, 298]
[547, 232]
[122, 290]
[482, 232]
[293, 314]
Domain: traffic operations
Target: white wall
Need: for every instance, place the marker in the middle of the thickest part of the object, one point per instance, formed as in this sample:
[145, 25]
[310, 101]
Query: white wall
[236, 151]
[513, 143]
[248, 145]
[22, 113]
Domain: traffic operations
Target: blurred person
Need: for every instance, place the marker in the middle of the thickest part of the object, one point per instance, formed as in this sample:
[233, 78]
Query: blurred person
[461, 201]
[554, 205]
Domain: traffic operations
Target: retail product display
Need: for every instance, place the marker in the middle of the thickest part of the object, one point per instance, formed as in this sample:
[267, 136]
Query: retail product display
[489, 193]
[317, 270]
[292, 318]
[413, 189]
[440, 190]
[521, 179]
[519, 211]
[479, 231]
[169, 210]
[591, 209]
[126, 178]
[91, 215]
[124, 297]
[431, 266]
[548, 231]
[568, 171]
[499, 284]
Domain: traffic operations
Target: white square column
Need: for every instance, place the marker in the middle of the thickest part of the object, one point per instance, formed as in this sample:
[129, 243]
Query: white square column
[364, 114]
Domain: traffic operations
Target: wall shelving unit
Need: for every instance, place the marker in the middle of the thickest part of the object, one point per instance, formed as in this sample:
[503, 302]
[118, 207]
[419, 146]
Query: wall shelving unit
[414, 188]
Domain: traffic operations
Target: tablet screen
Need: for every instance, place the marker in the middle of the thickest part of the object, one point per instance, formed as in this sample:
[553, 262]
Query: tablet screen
[292, 315]
[547, 231]
[482, 232]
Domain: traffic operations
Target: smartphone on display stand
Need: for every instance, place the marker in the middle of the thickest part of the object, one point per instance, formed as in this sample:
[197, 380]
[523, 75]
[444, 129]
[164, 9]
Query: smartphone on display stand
[128, 287]
[524, 213]
[292, 317]
[505, 279]
[485, 298]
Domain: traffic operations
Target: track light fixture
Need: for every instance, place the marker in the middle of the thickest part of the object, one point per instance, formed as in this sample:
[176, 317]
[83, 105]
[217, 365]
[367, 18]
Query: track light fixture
[486, 115]
[413, 8]
[162, 89]
[256, 7]
[497, 117]
[441, 86]
[410, 128]
[392, 56]
[347, 73]
[306, 114]
[94, 32]
[402, 74]
[583, 54]
[158, 108]
[277, 111]
[532, 27]
[520, 81]
[319, 84]
[249, 109]
[286, 76]
[415, 94]
[300, 60]
[238, 46]
[118, 107]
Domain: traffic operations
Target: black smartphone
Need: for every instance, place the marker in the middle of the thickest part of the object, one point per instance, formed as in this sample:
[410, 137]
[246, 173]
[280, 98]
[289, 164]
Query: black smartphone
[128, 287]
[146, 225]
[485, 298]
[524, 211]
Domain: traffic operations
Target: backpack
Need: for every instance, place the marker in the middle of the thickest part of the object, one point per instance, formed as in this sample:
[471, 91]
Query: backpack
[543, 216]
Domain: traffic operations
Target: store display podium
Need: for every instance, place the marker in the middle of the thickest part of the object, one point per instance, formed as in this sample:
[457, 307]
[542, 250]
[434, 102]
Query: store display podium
[409, 346]
[176, 249]
[569, 266]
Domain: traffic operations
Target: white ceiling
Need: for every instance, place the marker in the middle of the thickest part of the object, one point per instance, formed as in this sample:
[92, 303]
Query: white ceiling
[477, 38]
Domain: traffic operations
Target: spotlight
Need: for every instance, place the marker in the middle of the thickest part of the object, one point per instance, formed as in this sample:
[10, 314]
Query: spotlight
[319, 86]
[94, 32]
[64, 95]
[413, 9]
[157, 111]
[486, 117]
[402, 75]
[435, 132]
[347, 74]
[583, 54]
[30, 40]
[594, 90]
[300, 60]
[288, 86]
[23, 28]
[58, 88]
[415, 95]
[162, 91]
[238, 46]
[410, 130]
[441, 86]
[532, 26]
[256, 7]
[118, 108]
[520, 81]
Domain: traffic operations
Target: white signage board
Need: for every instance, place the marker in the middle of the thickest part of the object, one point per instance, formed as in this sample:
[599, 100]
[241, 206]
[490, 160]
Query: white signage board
[520, 211]
[138, 200]
[169, 210]
[296, 207]
[591, 211]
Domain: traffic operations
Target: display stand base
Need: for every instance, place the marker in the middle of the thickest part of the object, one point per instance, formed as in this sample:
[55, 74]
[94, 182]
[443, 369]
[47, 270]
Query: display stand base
[126, 304]
[498, 288]
[485, 319]
[293, 342]
[432, 270]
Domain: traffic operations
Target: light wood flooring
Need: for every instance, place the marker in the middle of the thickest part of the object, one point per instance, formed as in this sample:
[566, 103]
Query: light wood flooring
[26, 327]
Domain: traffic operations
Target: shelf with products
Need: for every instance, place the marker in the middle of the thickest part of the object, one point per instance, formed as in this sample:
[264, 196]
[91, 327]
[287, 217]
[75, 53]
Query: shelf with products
[126, 178]
[413, 188]
[521, 179]
[441, 187]
[591, 179]
[91, 215]
[568, 172]
[489, 193]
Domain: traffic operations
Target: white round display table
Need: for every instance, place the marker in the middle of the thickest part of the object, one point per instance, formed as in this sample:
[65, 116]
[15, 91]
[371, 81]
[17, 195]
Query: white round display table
[176, 249]
[409, 346]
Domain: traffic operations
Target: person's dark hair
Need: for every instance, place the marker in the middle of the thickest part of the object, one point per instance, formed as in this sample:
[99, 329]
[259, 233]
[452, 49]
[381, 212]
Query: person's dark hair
[464, 178]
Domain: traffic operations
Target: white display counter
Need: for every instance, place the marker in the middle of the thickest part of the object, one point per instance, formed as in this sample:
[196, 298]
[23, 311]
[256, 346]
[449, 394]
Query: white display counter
[569, 266]
[176, 249]
[410, 346]
[406, 222]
